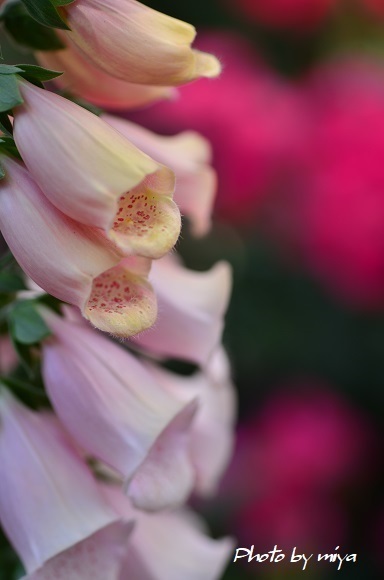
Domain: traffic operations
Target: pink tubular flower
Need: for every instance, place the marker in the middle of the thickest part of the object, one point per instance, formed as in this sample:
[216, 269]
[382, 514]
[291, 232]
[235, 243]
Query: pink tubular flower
[191, 310]
[71, 261]
[133, 42]
[188, 155]
[94, 175]
[49, 500]
[99, 557]
[120, 414]
[85, 80]
[169, 545]
[212, 432]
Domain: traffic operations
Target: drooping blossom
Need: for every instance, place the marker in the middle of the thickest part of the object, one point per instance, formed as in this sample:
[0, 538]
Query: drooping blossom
[71, 261]
[120, 414]
[174, 539]
[94, 175]
[212, 431]
[97, 558]
[191, 309]
[300, 15]
[252, 118]
[85, 80]
[189, 155]
[49, 500]
[136, 43]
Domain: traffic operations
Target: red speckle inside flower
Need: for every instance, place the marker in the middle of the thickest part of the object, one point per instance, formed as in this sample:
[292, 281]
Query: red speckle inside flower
[114, 291]
[139, 212]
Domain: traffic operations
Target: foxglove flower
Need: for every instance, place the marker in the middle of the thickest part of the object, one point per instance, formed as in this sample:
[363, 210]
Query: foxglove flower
[212, 432]
[95, 176]
[175, 540]
[191, 310]
[71, 261]
[89, 82]
[120, 414]
[99, 557]
[133, 42]
[188, 155]
[49, 500]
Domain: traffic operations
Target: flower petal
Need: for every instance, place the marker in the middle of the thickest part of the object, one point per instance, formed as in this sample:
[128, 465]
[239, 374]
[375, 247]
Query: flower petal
[176, 541]
[73, 262]
[99, 557]
[120, 415]
[84, 79]
[112, 185]
[133, 42]
[191, 310]
[49, 500]
[188, 155]
[212, 432]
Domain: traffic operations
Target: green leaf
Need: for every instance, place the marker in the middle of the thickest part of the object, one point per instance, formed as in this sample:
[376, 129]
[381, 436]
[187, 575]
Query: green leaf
[26, 31]
[26, 324]
[22, 386]
[82, 103]
[24, 353]
[8, 146]
[9, 92]
[32, 72]
[6, 125]
[61, 2]
[45, 12]
[10, 282]
[9, 69]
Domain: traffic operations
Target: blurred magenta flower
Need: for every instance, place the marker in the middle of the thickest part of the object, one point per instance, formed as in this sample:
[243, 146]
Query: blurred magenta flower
[310, 521]
[253, 125]
[293, 458]
[296, 14]
[307, 438]
[340, 202]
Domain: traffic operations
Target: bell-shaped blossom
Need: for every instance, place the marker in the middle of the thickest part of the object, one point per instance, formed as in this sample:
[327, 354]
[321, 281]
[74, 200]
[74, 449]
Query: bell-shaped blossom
[188, 155]
[136, 43]
[191, 310]
[93, 174]
[71, 261]
[49, 500]
[99, 557]
[212, 432]
[85, 80]
[169, 545]
[120, 414]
